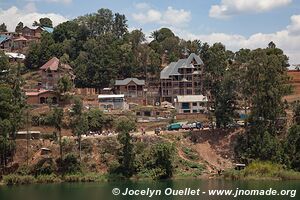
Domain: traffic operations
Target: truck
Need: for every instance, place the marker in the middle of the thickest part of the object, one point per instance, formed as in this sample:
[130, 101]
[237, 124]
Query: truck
[174, 126]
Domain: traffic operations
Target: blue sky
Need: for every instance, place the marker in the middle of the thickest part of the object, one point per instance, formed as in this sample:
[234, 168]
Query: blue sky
[236, 23]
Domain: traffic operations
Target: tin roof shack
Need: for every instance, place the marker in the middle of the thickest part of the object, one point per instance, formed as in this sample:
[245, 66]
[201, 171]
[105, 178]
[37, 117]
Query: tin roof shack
[184, 77]
[108, 102]
[34, 135]
[191, 104]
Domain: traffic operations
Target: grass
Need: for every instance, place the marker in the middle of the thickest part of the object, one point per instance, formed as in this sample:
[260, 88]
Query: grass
[190, 153]
[15, 179]
[186, 168]
[90, 177]
[262, 170]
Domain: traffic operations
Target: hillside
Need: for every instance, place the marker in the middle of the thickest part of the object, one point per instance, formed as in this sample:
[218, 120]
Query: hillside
[200, 153]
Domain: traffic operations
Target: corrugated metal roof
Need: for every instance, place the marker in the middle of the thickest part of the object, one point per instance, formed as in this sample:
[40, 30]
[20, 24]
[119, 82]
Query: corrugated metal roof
[3, 38]
[15, 55]
[48, 29]
[192, 98]
[172, 68]
[104, 96]
[128, 80]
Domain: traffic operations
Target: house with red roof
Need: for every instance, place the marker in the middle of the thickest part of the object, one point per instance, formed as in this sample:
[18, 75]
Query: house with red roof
[52, 71]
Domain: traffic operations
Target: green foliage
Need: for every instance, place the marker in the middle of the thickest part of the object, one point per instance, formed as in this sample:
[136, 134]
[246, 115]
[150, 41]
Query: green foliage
[157, 161]
[51, 178]
[39, 53]
[4, 68]
[292, 148]
[19, 27]
[91, 177]
[95, 120]
[13, 179]
[190, 153]
[69, 165]
[296, 111]
[64, 84]
[125, 125]
[263, 170]
[126, 154]
[45, 166]
[259, 145]
[44, 22]
[220, 81]
[3, 27]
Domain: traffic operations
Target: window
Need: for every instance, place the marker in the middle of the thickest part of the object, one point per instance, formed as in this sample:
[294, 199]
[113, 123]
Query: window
[194, 111]
[185, 106]
[186, 111]
[195, 104]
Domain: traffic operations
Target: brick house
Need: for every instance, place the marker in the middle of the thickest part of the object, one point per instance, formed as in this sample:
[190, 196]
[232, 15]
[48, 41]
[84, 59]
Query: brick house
[42, 97]
[184, 77]
[52, 71]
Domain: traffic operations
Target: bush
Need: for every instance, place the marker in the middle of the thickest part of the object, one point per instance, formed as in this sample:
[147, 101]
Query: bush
[257, 168]
[91, 177]
[190, 153]
[69, 165]
[45, 166]
[48, 179]
[23, 170]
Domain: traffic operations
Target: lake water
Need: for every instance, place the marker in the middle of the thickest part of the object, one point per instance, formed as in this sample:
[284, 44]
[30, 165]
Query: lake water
[103, 191]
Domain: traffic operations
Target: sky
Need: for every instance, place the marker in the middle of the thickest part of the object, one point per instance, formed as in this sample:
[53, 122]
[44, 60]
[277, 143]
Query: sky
[235, 23]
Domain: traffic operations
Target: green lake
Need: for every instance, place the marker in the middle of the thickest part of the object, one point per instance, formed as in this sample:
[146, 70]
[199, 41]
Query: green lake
[99, 191]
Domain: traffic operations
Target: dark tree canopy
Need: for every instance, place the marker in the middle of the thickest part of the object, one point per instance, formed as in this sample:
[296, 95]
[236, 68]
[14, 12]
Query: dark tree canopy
[19, 27]
[3, 27]
[44, 22]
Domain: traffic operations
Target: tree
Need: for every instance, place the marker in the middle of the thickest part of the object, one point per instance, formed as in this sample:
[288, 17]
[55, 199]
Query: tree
[267, 80]
[18, 102]
[296, 111]
[4, 68]
[219, 83]
[126, 155]
[44, 22]
[292, 147]
[57, 120]
[162, 154]
[66, 31]
[95, 120]
[120, 25]
[79, 122]
[3, 27]
[64, 84]
[39, 53]
[6, 107]
[225, 99]
[19, 27]
[265, 84]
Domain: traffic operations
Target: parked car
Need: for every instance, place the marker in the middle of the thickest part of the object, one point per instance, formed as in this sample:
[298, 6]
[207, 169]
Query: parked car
[191, 126]
[174, 126]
